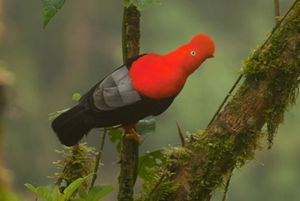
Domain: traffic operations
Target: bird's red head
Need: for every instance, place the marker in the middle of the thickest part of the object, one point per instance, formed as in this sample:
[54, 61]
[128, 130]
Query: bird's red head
[204, 45]
[195, 52]
[190, 56]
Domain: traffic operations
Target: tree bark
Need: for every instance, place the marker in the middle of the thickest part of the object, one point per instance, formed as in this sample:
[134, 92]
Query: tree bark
[129, 147]
[270, 86]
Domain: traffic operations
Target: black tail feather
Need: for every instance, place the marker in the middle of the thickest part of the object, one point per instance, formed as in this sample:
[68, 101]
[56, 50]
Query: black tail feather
[71, 125]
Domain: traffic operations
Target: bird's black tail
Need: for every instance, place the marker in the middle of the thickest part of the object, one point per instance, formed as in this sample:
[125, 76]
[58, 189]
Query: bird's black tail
[71, 125]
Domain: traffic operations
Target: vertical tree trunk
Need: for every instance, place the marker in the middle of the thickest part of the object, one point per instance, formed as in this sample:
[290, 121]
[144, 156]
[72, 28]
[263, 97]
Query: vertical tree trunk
[129, 147]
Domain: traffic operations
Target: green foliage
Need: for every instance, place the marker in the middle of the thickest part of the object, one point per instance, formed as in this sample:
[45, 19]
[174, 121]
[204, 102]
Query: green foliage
[145, 128]
[76, 96]
[50, 8]
[148, 162]
[115, 135]
[163, 184]
[274, 61]
[141, 4]
[8, 196]
[96, 193]
[74, 186]
[78, 162]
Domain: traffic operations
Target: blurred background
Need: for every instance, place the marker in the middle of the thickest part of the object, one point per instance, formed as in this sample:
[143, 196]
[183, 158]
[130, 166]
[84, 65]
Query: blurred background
[83, 43]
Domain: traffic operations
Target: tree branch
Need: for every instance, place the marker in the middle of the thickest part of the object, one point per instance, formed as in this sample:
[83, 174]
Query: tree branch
[129, 147]
[270, 86]
[98, 158]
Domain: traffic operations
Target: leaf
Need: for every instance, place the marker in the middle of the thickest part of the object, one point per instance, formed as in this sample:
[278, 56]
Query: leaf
[76, 96]
[44, 193]
[50, 8]
[53, 115]
[141, 4]
[115, 135]
[98, 192]
[146, 128]
[148, 161]
[31, 187]
[57, 196]
[82, 192]
[74, 186]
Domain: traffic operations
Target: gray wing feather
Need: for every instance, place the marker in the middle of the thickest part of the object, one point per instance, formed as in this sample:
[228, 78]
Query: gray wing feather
[115, 91]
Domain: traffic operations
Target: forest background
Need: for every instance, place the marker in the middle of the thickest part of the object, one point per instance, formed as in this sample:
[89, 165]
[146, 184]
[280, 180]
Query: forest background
[83, 43]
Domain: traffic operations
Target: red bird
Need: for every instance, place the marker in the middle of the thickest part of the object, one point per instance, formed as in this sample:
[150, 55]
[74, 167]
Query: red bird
[146, 85]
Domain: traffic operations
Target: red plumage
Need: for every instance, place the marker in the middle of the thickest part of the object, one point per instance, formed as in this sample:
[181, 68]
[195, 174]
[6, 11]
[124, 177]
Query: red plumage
[160, 76]
[146, 85]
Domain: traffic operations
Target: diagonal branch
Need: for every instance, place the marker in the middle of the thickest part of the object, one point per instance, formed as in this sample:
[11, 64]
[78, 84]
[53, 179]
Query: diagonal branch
[271, 84]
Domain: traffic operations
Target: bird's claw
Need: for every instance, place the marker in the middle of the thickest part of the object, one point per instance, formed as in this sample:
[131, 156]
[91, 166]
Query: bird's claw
[132, 134]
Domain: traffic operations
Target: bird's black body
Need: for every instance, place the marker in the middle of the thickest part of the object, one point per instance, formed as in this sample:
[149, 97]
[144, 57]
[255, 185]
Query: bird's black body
[112, 101]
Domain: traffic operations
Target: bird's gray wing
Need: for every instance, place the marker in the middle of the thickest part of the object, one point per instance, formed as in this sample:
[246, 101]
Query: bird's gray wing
[115, 91]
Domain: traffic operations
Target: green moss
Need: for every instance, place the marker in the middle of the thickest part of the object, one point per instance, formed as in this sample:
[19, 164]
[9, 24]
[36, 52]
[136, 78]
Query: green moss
[161, 187]
[273, 61]
[79, 162]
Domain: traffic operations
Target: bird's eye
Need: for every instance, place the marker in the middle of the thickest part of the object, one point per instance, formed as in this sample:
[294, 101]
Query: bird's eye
[193, 53]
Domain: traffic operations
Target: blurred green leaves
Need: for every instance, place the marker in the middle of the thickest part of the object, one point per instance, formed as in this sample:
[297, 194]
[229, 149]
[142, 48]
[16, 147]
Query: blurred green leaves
[9, 196]
[145, 128]
[141, 4]
[96, 193]
[50, 8]
[115, 135]
[149, 161]
[76, 96]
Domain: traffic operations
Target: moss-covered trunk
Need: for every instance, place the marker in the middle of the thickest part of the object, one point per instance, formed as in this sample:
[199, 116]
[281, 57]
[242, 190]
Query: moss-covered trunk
[129, 147]
[270, 85]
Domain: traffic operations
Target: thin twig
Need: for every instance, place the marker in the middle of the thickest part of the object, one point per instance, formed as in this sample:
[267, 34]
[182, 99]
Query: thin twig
[240, 77]
[180, 134]
[227, 185]
[156, 186]
[98, 158]
[225, 99]
[124, 44]
[276, 10]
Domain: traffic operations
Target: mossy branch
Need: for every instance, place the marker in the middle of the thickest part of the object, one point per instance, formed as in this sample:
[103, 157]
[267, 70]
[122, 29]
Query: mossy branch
[271, 84]
[129, 148]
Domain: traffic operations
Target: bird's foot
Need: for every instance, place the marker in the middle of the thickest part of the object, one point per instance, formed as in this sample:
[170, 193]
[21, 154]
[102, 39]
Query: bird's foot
[132, 134]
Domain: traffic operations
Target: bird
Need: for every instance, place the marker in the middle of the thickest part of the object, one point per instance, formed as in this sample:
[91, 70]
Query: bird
[145, 86]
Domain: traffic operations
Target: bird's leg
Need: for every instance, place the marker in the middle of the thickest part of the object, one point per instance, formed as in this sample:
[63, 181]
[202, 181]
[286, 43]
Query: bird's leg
[132, 134]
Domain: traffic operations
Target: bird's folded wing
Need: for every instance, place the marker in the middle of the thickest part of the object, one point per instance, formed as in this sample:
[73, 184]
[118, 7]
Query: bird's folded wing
[115, 91]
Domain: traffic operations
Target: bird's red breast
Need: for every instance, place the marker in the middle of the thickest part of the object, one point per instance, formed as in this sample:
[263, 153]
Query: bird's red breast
[161, 76]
